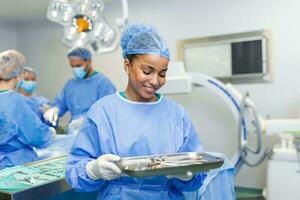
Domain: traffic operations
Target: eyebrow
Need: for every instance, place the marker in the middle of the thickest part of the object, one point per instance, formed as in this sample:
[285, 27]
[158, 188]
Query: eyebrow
[78, 65]
[145, 65]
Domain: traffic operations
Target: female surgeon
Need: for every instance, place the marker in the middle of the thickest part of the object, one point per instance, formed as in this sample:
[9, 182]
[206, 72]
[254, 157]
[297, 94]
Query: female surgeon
[136, 122]
[26, 87]
[20, 128]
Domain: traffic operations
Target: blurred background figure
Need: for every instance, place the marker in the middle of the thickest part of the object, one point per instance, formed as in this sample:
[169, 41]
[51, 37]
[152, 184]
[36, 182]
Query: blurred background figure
[27, 86]
[20, 127]
[80, 92]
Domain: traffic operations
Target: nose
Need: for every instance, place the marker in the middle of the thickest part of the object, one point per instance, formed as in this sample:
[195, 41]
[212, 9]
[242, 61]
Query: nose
[154, 81]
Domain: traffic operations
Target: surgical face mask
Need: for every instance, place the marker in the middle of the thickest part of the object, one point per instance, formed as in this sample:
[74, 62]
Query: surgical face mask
[79, 72]
[28, 86]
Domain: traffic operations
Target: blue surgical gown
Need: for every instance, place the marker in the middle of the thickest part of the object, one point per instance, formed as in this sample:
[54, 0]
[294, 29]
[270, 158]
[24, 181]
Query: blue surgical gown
[78, 95]
[36, 103]
[117, 126]
[20, 131]
[218, 185]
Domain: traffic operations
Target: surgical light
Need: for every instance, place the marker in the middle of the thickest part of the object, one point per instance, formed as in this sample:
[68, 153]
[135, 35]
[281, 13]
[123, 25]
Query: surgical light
[85, 25]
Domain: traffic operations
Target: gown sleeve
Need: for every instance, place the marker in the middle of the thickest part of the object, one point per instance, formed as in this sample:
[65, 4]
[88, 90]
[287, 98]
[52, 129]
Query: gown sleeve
[86, 148]
[33, 131]
[60, 101]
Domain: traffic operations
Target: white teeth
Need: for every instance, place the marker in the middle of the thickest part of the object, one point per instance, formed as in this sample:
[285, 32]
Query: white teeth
[150, 87]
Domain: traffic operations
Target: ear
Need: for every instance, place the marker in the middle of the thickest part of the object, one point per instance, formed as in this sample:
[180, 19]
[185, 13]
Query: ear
[127, 66]
[89, 63]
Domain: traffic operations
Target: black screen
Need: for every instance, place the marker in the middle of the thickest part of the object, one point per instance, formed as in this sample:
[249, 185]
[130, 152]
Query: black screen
[246, 57]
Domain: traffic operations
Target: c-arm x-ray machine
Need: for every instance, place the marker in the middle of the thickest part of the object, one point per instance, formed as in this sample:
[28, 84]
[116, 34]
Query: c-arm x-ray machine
[248, 122]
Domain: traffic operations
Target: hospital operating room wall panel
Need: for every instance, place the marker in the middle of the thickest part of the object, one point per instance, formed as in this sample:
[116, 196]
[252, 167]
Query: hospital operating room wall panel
[8, 35]
[40, 42]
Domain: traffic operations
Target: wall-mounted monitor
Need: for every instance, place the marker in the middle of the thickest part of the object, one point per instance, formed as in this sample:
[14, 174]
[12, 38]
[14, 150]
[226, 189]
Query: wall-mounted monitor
[238, 58]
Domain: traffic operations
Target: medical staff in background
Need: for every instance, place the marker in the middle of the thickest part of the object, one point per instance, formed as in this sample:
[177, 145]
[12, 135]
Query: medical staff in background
[27, 86]
[20, 127]
[80, 92]
[135, 122]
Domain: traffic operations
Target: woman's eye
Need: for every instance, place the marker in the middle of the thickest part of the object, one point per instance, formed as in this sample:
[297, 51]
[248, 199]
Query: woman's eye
[162, 74]
[146, 72]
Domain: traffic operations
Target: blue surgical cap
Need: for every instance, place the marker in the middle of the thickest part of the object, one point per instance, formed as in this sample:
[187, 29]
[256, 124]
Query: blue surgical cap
[29, 69]
[143, 39]
[80, 52]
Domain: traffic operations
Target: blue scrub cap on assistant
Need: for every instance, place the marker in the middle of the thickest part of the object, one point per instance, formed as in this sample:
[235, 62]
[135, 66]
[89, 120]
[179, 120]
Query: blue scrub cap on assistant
[29, 69]
[80, 52]
[11, 64]
[143, 39]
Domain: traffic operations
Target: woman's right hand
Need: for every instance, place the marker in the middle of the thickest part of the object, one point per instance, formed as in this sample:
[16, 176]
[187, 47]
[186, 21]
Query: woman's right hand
[104, 167]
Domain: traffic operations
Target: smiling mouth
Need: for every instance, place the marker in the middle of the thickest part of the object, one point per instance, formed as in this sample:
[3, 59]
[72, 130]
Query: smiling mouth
[150, 90]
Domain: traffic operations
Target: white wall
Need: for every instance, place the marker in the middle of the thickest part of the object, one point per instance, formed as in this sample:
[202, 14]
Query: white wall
[8, 36]
[177, 19]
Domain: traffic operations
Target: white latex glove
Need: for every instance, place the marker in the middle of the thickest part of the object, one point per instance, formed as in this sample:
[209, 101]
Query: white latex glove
[104, 167]
[184, 177]
[53, 132]
[51, 115]
[44, 107]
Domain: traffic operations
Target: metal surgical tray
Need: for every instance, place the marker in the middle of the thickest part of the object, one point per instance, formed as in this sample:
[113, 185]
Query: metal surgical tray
[169, 164]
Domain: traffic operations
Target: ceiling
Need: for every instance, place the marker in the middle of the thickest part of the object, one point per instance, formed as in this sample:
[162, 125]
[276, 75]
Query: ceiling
[23, 10]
